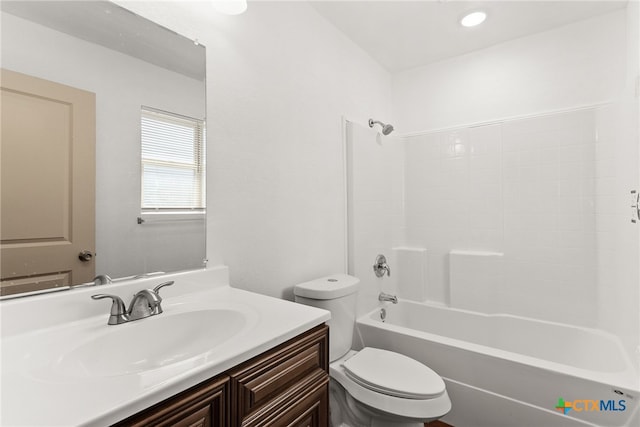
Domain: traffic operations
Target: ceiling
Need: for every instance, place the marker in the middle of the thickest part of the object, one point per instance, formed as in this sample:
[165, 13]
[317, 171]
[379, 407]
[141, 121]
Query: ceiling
[114, 27]
[406, 34]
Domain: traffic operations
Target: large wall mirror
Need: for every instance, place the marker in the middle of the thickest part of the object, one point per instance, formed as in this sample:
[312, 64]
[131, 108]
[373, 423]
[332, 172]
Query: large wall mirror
[91, 68]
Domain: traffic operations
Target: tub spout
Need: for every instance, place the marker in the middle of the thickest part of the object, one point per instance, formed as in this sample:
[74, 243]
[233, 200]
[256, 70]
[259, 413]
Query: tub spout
[387, 297]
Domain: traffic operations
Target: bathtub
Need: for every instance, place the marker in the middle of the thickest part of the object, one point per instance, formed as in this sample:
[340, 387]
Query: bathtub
[509, 371]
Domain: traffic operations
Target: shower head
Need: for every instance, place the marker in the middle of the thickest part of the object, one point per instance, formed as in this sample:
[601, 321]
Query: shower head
[386, 129]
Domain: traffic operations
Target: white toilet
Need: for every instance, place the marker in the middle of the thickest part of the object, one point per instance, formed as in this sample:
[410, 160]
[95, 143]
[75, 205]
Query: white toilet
[370, 387]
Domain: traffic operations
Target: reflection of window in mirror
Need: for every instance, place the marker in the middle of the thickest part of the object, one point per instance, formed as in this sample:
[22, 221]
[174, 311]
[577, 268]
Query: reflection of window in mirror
[173, 164]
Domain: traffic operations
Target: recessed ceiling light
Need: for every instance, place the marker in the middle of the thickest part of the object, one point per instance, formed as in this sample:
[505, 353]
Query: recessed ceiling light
[472, 19]
[230, 7]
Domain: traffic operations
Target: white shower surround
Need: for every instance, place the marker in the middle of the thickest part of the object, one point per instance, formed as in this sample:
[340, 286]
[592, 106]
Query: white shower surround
[542, 190]
[526, 188]
[540, 306]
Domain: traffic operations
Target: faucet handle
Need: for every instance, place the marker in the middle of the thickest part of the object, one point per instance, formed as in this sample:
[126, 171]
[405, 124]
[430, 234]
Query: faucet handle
[162, 285]
[118, 312]
[118, 305]
[102, 279]
[381, 266]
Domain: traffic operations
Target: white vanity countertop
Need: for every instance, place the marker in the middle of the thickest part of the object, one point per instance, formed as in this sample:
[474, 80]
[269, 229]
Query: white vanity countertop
[35, 391]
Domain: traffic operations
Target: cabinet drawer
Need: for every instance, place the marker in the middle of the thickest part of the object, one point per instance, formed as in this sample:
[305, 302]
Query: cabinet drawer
[305, 405]
[259, 382]
[205, 405]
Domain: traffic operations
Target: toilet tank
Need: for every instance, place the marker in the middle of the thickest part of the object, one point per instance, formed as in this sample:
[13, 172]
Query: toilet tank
[336, 293]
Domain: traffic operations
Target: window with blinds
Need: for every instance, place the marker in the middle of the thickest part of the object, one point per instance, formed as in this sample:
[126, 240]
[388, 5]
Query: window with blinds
[173, 162]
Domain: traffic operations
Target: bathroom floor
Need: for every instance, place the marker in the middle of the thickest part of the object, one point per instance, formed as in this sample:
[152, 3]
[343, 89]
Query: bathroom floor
[437, 424]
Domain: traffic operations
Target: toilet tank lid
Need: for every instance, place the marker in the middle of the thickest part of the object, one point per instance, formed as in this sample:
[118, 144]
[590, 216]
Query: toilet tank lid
[329, 287]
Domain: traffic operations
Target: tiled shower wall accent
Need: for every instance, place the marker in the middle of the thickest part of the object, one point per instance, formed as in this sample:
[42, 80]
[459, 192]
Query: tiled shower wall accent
[473, 276]
[411, 273]
[525, 188]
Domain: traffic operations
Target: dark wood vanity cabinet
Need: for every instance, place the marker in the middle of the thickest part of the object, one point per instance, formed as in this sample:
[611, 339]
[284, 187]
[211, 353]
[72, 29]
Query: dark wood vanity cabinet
[205, 405]
[286, 386]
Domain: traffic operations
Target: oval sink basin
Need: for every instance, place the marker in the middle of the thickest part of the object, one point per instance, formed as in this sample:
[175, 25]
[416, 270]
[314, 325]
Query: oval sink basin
[151, 343]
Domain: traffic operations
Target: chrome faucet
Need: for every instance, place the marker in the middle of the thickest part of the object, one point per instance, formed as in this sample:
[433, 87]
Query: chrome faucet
[381, 266]
[145, 303]
[387, 297]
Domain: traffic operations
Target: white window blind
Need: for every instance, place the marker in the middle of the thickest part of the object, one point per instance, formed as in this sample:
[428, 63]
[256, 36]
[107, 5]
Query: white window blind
[173, 162]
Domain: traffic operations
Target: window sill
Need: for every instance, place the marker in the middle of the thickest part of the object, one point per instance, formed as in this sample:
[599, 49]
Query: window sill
[153, 217]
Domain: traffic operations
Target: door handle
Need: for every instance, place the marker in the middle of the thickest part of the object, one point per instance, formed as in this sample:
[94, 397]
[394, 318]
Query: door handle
[85, 256]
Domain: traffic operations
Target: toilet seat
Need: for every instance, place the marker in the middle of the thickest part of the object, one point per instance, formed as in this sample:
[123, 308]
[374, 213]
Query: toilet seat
[393, 374]
[405, 408]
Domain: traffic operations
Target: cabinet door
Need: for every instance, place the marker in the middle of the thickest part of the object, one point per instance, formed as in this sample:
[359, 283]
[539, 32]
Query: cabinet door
[205, 405]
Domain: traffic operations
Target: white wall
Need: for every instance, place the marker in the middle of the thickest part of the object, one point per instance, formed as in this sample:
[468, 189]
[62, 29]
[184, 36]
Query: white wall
[121, 84]
[279, 78]
[577, 64]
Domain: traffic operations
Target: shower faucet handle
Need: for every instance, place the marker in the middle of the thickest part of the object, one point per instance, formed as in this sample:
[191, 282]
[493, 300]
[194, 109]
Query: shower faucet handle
[380, 266]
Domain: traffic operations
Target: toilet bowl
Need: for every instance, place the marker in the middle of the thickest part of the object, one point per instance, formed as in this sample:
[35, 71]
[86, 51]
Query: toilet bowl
[390, 386]
[370, 387]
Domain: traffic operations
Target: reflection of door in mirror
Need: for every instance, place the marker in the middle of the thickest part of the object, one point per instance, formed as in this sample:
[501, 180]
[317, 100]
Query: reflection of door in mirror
[47, 206]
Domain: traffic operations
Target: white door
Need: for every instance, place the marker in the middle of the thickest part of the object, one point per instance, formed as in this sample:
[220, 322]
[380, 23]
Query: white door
[47, 184]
